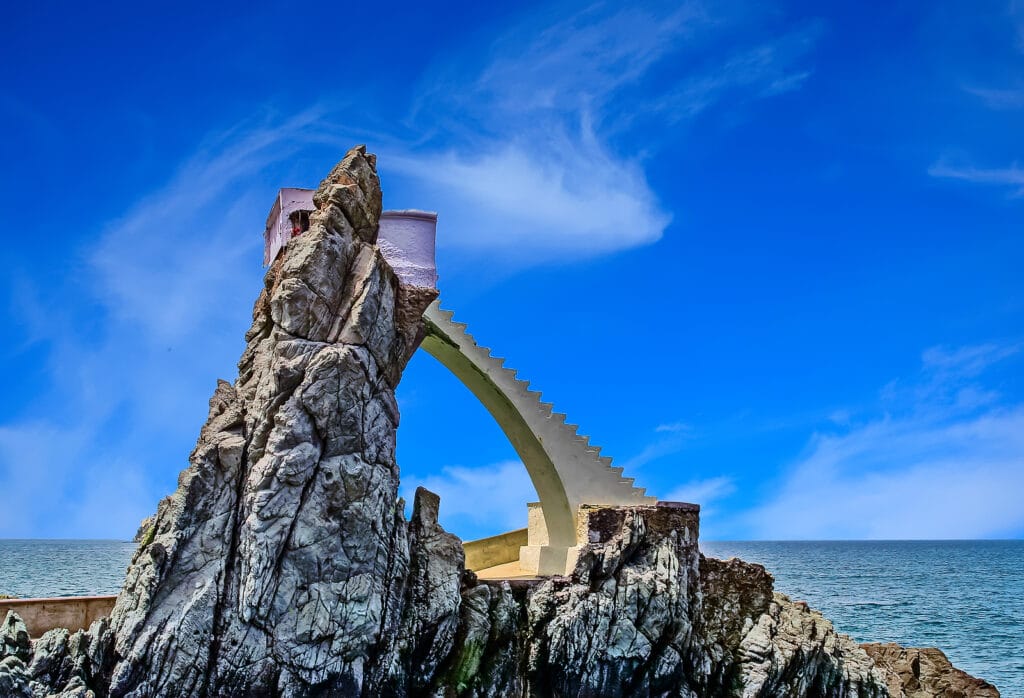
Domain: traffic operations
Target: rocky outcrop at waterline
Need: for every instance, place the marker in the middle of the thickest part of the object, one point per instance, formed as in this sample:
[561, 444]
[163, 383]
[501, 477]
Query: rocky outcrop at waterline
[145, 529]
[915, 672]
[283, 564]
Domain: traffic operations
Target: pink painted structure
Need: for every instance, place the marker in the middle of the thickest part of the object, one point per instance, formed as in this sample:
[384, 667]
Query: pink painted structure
[405, 238]
[282, 218]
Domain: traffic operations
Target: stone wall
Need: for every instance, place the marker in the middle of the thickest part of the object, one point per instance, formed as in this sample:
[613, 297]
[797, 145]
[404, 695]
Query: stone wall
[71, 612]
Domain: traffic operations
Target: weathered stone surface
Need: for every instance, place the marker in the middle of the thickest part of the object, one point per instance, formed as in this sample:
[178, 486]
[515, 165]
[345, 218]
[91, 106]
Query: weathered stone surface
[794, 651]
[145, 528]
[14, 641]
[273, 568]
[71, 662]
[645, 614]
[14, 680]
[913, 672]
[424, 623]
[283, 564]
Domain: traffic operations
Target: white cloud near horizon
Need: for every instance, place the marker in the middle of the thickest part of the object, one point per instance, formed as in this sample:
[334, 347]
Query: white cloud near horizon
[708, 493]
[942, 463]
[477, 502]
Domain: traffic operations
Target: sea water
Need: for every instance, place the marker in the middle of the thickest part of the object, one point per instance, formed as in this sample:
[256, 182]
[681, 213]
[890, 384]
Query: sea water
[42, 568]
[965, 597]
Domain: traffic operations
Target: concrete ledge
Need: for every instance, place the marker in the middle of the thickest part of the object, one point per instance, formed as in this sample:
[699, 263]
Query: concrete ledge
[685, 506]
[71, 612]
[496, 550]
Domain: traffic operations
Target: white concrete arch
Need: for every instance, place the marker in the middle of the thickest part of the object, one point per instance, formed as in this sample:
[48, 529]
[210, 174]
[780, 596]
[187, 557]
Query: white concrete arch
[566, 470]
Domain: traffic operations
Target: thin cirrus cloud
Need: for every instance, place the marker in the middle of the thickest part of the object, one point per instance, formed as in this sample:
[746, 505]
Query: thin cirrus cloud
[703, 491]
[999, 98]
[1007, 97]
[934, 465]
[1012, 176]
[756, 72]
[166, 288]
[530, 165]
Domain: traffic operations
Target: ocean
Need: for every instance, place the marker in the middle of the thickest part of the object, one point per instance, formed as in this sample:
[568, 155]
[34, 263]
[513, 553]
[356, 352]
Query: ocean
[965, 597]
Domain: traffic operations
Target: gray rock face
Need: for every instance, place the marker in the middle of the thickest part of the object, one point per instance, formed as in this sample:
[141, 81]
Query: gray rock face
[14, 640]
[283, 565]
[914, 672]
[277, 565]
[145, 528]
[645, 614]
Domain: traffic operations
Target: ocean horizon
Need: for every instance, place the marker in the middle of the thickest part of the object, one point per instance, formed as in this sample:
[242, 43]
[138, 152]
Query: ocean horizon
[965, 597]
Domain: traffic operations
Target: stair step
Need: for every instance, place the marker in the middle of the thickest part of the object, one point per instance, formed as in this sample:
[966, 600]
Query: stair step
[584, 452]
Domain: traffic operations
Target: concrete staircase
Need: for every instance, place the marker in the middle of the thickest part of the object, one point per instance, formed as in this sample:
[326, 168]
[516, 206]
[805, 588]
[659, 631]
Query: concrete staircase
[567, 470]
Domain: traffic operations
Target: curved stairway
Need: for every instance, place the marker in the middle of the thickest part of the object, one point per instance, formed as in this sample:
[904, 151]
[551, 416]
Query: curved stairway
[566, 469]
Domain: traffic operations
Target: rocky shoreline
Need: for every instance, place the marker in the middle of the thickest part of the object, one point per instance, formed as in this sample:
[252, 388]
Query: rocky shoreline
[283, 564]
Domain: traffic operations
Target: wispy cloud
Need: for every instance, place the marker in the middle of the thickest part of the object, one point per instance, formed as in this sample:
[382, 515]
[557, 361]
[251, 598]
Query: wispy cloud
[937, 466]
[999, 98]
[583, 60]
[703, 491]
[1012, 176]
[530, 166]
[672, 438]
[764, 70]
[162, 297]
[160, 265]
[708, 493]
[567, 197]
[674, 428]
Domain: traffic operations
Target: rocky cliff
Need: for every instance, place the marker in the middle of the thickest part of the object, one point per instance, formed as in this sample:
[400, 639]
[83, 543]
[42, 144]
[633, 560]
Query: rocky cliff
[283, 564]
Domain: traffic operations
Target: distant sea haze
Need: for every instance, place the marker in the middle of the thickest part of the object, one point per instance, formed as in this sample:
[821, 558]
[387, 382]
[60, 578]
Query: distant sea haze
[964, 597]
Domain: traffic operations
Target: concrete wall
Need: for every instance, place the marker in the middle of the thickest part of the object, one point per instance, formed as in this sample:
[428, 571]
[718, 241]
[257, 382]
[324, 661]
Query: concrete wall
[496, 550]
[71, 612]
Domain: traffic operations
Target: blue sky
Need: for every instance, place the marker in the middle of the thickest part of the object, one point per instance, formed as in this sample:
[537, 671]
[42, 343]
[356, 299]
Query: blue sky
[769, 259]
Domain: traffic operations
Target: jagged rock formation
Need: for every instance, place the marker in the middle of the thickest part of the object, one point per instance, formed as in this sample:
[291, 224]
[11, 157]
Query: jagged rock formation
[914, 672]
[283, 565]
[645, 613]
[145, 529]
[278, 561]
